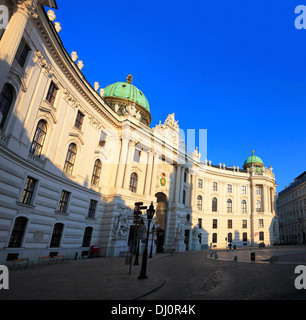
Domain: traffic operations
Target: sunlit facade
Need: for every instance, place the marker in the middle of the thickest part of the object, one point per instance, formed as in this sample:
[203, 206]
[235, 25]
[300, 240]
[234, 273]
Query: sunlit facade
[75, 158]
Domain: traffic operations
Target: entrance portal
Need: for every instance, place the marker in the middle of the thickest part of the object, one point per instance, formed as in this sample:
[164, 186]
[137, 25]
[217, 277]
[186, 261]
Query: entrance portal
[161, 218]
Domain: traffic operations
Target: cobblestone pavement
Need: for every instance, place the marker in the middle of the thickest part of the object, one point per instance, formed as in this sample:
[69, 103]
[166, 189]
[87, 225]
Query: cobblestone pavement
[195, 276]
[90, 279]
[183, 276]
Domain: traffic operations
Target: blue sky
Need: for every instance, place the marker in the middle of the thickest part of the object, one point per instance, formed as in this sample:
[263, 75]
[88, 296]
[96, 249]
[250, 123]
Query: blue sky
[236, 69]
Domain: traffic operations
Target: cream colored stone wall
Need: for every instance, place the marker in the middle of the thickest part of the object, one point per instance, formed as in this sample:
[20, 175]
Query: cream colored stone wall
[162, 156]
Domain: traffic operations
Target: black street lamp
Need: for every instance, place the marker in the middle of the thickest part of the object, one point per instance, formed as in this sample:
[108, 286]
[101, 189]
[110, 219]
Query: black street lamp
[139, 235]
[143, 271]
[153, 233]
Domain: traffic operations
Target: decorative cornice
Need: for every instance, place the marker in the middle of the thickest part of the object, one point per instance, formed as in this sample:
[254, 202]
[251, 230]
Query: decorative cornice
[27, 7]
[43, 63]
[72, 72]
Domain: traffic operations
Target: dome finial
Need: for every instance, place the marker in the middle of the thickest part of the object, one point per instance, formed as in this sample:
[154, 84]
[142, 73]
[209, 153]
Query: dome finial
[253, 152]
[129, 78]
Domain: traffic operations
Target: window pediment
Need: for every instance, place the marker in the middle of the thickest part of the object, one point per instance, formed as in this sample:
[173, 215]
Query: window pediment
[77, 135]
[47, 109]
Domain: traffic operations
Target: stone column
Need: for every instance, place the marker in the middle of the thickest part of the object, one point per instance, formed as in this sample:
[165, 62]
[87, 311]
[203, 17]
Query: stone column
[128, 166]
[177, 183]
[191, 188]
[122, 161]
[149, 170]
[154, 172]
[253, 210]
[182, 184]
[22, 11]
[265, 194]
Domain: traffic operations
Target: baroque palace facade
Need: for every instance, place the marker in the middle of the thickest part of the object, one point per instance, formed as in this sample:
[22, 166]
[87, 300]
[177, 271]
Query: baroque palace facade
[75, 158]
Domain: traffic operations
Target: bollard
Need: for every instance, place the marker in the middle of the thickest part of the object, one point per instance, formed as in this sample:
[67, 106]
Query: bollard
[235, 258]
[252, 256]
[216, 256]
[127, 258]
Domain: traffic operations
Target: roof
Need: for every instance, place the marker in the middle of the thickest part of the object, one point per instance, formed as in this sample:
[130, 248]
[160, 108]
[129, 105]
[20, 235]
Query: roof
[127, 91]
[253, 160]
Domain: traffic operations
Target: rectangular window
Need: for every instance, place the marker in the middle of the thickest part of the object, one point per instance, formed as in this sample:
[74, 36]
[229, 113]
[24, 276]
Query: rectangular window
[200, 183]
[215, 186]
[229, 224]
[258, 190]
[102, 140]
[261, 223]
[28, 191]
[244, 224]
[229, 188]
[215, 223]
[22, 53]
[51, 95]
[79, 120]
[243, 189]
[244, 236]
[92, 208]
[63, 204]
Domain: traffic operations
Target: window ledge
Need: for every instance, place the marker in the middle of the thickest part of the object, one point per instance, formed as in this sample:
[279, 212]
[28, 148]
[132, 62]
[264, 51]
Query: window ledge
[25, 205]
[37, 160]
[91, 219]
[62, 213]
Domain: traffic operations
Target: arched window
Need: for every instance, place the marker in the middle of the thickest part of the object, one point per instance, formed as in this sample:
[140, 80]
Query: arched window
[96, 172]
[214, 204]
[87, 237]
[214, 238]
[6, 99]
[243, 206]
[56, 235]
[261, 236]
[70, 158]
[199, 202]
[244, 236]
[18, 232]
[229, 205]
[39, 138]
[230, 237]
[133, 182]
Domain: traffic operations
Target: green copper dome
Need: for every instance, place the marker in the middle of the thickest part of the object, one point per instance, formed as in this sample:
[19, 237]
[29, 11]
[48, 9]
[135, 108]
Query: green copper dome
[125, 90]
[253, 160]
